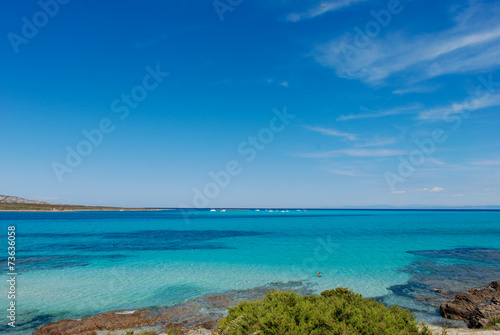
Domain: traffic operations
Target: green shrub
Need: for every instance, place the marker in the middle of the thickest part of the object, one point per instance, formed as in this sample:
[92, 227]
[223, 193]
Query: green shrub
[492, 323]
[335, 312]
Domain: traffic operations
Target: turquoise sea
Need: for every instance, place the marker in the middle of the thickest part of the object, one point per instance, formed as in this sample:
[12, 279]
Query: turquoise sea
[76, 264]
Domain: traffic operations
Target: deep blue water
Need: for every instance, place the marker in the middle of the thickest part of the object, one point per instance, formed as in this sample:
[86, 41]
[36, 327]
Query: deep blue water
[77, 264]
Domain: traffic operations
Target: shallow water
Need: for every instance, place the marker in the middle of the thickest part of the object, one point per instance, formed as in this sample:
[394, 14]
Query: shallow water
[77, 264]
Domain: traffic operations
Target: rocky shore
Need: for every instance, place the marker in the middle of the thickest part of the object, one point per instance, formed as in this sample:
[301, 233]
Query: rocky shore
[200, 316]
[479, 307]
[197, 317]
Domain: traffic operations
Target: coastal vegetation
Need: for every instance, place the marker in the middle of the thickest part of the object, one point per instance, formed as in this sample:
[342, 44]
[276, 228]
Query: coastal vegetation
[335, 312]
[493, 323]
[5, 206]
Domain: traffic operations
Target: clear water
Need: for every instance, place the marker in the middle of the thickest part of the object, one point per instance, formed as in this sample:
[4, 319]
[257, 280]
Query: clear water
[77, 264]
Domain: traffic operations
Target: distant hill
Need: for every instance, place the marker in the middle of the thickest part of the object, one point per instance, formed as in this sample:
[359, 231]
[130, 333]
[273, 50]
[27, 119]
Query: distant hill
[17, 200]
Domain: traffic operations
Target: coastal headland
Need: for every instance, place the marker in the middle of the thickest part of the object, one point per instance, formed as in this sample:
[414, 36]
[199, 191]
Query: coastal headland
[6, 207]
[17, 204]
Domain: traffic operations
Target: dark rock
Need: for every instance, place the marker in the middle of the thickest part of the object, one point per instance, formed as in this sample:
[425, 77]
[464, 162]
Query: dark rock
[433, 281]
[483, 314]
[495, 285]
[441, 291]
[477, 307]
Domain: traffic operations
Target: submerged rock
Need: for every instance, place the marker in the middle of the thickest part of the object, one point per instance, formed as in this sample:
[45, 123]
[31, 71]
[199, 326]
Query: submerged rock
[478, 307]
[436, 276]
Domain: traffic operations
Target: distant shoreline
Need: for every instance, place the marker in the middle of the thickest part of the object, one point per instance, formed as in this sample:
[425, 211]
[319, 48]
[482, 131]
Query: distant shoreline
[78, 210]
[20, 207]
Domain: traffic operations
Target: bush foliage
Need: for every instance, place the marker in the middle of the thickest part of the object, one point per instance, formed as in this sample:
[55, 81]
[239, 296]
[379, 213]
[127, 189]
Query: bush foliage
[335, 312]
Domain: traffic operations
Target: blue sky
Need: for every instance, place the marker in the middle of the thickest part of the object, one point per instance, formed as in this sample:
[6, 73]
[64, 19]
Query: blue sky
[251, 103]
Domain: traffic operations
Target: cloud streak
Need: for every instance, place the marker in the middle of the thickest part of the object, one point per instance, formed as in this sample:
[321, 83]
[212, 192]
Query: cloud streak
[341, 172]
[321, 8]
[399, 192]
[332, 132]
[435, 189]
[487, 163]
[350, 173]
[382, 113]
[439, 113]
[417, 89]
[373, 153]
[378, 142]
[472, 44]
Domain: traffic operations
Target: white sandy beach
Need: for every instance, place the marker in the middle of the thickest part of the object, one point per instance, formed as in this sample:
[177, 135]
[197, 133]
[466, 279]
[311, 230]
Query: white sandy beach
[453, 331]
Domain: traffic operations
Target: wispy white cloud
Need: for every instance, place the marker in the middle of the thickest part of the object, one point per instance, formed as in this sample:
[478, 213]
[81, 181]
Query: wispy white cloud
[321, 8]
[452, 168]
[332, 132]
[435, 189]
[438, 113]
[399, 192]
[417, 89]
[487, 163]
[378, 142]
[341, 172]
[372, 152]
[381, 113]
[274, 81]
[354, 153]
[472, 44]
[350, 173]
[486, 191]
[435, 161]
[458, 195]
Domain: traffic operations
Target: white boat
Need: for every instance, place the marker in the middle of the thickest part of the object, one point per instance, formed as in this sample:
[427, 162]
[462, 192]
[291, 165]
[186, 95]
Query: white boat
[213, 210]
[257, 210]
[222, 210]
